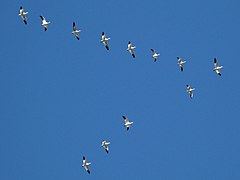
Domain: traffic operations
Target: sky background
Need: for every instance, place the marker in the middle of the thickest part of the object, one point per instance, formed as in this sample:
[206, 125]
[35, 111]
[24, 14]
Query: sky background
[60, 97]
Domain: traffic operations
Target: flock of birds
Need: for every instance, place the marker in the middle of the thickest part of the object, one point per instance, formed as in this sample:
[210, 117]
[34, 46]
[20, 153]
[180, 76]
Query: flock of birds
[130, 48]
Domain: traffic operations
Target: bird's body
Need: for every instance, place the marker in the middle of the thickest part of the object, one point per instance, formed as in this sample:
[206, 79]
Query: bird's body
[104, 40]
[155, 55]
[44, 23]
[190, 91]
[217, 68]
[127, 122]
[105, 145]
[130, 49]
[23, 15]
[85, 164]
[181, 63]
[75, 31]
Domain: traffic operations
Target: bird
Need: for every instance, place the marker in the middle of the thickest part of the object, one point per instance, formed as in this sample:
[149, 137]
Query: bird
[75, 31]
[23, 15]
[127, 122]
[104, 40]
[44, 23]
[105, 145]
[85, 164]
[190, 91]
[181, 63]
[130, 49]
[155, 55]
[217, 68]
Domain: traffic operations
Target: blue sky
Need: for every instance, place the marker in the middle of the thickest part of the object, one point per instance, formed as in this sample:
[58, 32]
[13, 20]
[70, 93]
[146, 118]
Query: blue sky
[60, 97]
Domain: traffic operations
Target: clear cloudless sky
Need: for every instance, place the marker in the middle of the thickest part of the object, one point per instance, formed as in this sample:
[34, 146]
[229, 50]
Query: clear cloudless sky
[60, 97]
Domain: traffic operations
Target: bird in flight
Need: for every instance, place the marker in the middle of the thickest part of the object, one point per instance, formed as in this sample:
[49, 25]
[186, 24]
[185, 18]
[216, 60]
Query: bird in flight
[23, 15]
[85, 164]
[181, 63]
[104, 40]
[130, 49]
[217, 68]
[155, 55]
[44, 23]
[190, 91]
[127, 122]
[105, 145]
[75, 31]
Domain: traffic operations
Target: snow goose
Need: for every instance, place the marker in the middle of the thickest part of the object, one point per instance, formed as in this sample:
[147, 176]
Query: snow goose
[23, 15]
[127, 122]
[181, 63]
[44, 23]
[85, 164]
[105, 145]
[130, 49]
[155, 55]
[217, 68]
[190, 91]
[104, 40]
[75, 31]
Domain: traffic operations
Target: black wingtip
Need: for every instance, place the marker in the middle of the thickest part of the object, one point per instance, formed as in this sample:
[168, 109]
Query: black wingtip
[107, 47]
[88, 171]
[84, 158]
[129, 42]
[152, 50]
[20, 7]
[215, 60]
[77, 38]
[107, 151]
[187, 85]
[74, 23]
[102, 33]
[155, 60]
[181, 68]
[133, 55]
[124, 117]
[219, 74]
[127, 128]
[25, 22]
[178, 57]
[45, 29]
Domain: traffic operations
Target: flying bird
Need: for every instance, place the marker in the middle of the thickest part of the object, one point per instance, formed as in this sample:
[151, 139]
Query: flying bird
[190, 91]
[130, 49]
[104, 40]
[105, 145]
[181, 63]
[85, 164]
[217, 68]
[155, 55]
[23, 15]
[127, 122]
[75, 31]
[44, 23]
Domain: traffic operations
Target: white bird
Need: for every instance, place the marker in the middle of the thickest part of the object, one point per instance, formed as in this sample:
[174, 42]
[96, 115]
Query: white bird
[23, 15]
[104, 40]
[155, 55]
[127, 122]
[44, 23]
[217, 68]
[130, 49]
[75, 31]
[85, 164]
[105, 145]
[181, 63]
[190, 91]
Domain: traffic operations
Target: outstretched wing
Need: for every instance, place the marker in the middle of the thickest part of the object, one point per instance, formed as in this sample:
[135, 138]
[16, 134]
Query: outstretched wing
[74, 26]
[215, 62]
